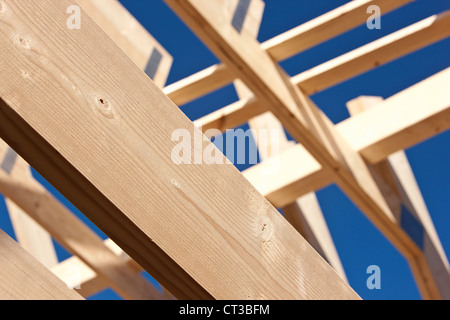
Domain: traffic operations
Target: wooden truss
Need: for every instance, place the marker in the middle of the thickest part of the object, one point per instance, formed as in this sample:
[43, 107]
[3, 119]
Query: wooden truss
[77, 107]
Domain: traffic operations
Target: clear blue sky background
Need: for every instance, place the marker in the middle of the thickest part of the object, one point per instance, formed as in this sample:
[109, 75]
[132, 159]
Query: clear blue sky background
[358, 242]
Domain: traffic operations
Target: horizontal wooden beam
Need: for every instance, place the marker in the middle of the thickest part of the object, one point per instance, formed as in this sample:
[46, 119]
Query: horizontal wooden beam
[291, 174]
[199, 84]
[23, 278]
[415, 114]
[374, 54]
[401, 121]
[110, 154]
[88, 282]
[325, 27]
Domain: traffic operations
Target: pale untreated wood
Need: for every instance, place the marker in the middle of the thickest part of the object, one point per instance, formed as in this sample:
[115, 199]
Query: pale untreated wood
[199, 84]
[405, 119]
[31, 236]
[396, 171]
[88, 282]
[196, 245]
[129, 35]
[294, 41]
[412, 123]
[76, 237]
[304, 214]
[325, 27]
[374, 54]
[299, 115]
[24, 278]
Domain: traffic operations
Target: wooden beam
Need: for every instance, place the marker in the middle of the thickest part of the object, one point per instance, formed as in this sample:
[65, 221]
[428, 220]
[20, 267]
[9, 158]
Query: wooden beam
[413, 216]
[76, 237]
[231, 116]
[131, 37]
[401, 121]
[281, 180]
[122, 119]
[304, 121]
[31, 236]
[325, 27]
[374, 54]
[23, 278]
[281, 47]
[411, 123]
[340, 69]
[304, 214]
[87, 281]
[299, 115]
[199, 84]
[140, 46]
[217, 76]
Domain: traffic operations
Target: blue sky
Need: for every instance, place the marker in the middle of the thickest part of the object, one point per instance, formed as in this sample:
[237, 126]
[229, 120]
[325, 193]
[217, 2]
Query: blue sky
[357, 241]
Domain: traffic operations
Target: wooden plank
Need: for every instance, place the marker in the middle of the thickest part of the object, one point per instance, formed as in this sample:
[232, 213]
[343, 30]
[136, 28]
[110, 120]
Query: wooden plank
[414, 215]
[340, 69]
[141, 47]
[131, 37]
[412, 123]
[33, 238]
[76, 237]
[305, 122]
[123, 125]
[281, 180]
[281, 47]
[407, 118]
[234, 115]
[199, 84]
[304, 214]
[374, 54]
[325, 27]
[87, 281]
[299, 115]
[216, 76]
[23, 278]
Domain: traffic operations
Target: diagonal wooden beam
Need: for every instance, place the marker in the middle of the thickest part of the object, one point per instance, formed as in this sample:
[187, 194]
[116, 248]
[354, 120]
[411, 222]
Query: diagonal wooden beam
[325, 27]
[368, 133]
[23, 278]
[31, 236]
[304, 214]
[294, 41]
[76, 237]
[110, 154]
[88, 282]
[358, 61]
[414, 217]
[131, 37]
[305, 122]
